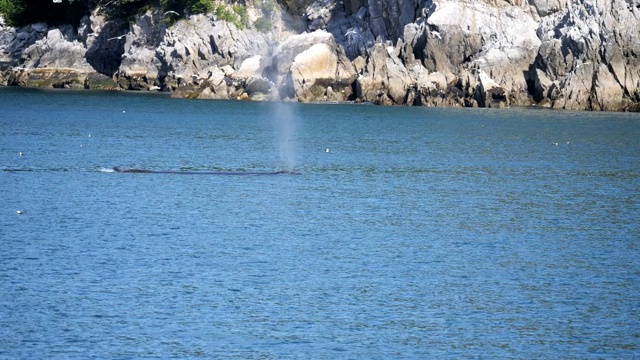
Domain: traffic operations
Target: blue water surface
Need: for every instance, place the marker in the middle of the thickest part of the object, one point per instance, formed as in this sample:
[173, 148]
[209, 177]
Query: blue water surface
[409, 233]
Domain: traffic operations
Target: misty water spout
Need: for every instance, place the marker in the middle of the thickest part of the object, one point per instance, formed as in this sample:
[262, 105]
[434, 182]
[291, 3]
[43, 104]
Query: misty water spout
[286, 122]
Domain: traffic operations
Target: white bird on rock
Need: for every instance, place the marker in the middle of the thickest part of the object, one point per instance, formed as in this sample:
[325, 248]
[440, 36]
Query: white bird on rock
[117, 37]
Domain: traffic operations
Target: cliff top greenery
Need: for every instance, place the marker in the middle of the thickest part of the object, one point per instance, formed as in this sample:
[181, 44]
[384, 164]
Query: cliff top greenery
[24, 12]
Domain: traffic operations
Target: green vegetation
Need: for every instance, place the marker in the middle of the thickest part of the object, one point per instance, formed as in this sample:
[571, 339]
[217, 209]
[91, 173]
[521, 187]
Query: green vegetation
[267, 7]
[201, 6]
[242, 13]
[237, 16]
[24, 12]
[263, 24]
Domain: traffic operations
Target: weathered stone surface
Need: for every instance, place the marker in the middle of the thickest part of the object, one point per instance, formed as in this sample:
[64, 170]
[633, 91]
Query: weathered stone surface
[556, 53]
[385, 79]
[188, 51]
[53, 78]
[589, 49]
[59, 49]
[305, 65]
[548, 7]
[104, 42]
[260, 89]
[97, 81]
[251, 67]
[489, 93]
[14, 41]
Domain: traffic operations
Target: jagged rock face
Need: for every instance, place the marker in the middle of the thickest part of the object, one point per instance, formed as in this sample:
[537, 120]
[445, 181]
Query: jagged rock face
[59, 49]
[140, 68]
[494, 53]
[384, 19]
[218, 43]
[104, 42]
[385, 79]
[500, 41]
[589, 56]
[47, 57]
[297, 7]
[548, 7]
[13, 41]
[306, 65]
[192, 50]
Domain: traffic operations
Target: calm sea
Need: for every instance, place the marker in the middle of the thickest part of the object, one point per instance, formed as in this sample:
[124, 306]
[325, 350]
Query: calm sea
[409, 233]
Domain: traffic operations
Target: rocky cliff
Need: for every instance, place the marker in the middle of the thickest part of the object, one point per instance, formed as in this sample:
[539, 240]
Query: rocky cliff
[489, 53]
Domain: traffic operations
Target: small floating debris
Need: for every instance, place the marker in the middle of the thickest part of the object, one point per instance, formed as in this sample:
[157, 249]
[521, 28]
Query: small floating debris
[20, 153]
[123, 111]
[327, 150]
[21, 212]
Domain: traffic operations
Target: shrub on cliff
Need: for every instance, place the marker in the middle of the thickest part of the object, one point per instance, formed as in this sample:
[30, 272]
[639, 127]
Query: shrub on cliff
[263, 24]
[200, 6]
[234, 17]
[24, 12]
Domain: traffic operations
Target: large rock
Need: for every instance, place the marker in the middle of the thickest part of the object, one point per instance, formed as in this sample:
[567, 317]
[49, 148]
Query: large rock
[489, 93]
[104, 41]
[548, 7]
[56, 58]
[385, 80]
[590, 50]
[14, 41]
[499, 40]
[140, 68]
[306, 65]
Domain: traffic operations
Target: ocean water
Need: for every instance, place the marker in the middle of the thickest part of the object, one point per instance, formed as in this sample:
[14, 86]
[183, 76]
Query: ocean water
[408, 233]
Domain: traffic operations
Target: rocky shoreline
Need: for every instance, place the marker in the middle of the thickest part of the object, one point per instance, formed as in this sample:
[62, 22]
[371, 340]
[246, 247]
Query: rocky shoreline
[582, 55]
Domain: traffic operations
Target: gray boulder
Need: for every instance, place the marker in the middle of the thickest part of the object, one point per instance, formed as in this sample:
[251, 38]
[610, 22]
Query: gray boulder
[59, 48]
[305, 65]
[188, 52]
[589, 57]
[385, 80]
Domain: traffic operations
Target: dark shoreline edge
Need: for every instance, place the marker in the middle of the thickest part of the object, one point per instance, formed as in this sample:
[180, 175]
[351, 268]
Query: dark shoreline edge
[167, 94]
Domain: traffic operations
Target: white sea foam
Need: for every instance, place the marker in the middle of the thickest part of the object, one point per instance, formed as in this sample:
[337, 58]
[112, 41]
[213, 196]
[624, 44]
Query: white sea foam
[106, 170]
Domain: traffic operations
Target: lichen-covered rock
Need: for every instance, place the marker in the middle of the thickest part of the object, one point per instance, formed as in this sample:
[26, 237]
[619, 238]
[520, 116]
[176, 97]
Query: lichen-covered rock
[97, 81]
[53, 78]
[59, 49]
